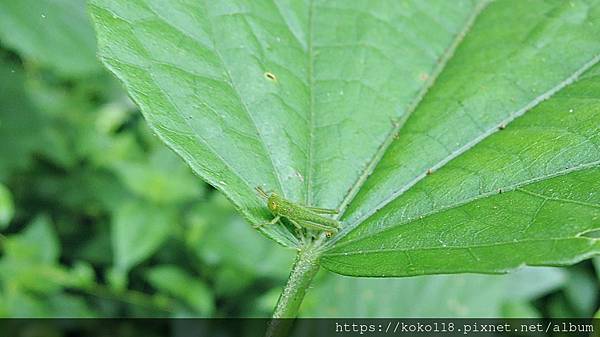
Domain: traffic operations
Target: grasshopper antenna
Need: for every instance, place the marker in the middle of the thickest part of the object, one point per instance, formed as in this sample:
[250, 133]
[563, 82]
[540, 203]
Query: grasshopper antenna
[262, 192]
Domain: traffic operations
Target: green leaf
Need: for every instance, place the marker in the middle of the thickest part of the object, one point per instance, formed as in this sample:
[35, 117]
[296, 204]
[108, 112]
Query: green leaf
[454, 136]
[161, 179]
[53, 33]
[238, 129]
[138, 229]
[37, 243]
[21, 304]
[428, 296]
[30, 256]
[175, 281]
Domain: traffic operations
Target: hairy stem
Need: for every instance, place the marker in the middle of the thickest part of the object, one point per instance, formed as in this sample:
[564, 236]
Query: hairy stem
[304, 270]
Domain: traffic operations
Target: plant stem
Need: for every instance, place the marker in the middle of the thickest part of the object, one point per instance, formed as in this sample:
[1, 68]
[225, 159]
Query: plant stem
[303, 271]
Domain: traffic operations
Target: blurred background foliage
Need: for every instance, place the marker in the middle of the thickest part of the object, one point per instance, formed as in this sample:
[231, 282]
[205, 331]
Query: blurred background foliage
[99, 219]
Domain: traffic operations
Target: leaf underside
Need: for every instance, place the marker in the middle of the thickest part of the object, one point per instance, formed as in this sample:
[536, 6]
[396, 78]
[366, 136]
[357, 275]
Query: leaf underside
[455, 136]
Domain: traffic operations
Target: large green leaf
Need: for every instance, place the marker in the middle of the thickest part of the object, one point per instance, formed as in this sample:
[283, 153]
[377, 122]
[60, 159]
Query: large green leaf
[454, 136]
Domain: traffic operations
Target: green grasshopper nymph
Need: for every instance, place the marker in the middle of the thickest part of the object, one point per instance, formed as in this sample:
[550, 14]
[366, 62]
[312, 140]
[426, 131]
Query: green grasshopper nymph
[299, 215]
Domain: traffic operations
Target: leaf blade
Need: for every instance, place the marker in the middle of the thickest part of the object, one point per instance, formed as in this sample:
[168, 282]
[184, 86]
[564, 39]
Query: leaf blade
[544, 140]
[215, 72]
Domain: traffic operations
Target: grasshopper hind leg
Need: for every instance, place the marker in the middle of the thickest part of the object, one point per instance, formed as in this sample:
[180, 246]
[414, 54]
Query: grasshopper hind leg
[297, 225]
[272, 222]
[319, 227]
[320, 210]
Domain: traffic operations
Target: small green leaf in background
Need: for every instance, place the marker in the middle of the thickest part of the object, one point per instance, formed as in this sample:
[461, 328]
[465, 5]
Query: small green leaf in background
[454, 136]
[137, 232]
[52, 33]
[37, 243]
[178, 283]
[111, 116]
[7, 207]
[31, 279]
[161, 179]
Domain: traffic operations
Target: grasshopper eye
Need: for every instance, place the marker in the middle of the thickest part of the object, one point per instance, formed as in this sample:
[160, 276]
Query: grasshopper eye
[272, 205]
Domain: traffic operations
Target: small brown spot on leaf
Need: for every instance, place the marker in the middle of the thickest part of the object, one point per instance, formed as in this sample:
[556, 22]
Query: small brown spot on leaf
[423, 76]
[270, 76]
